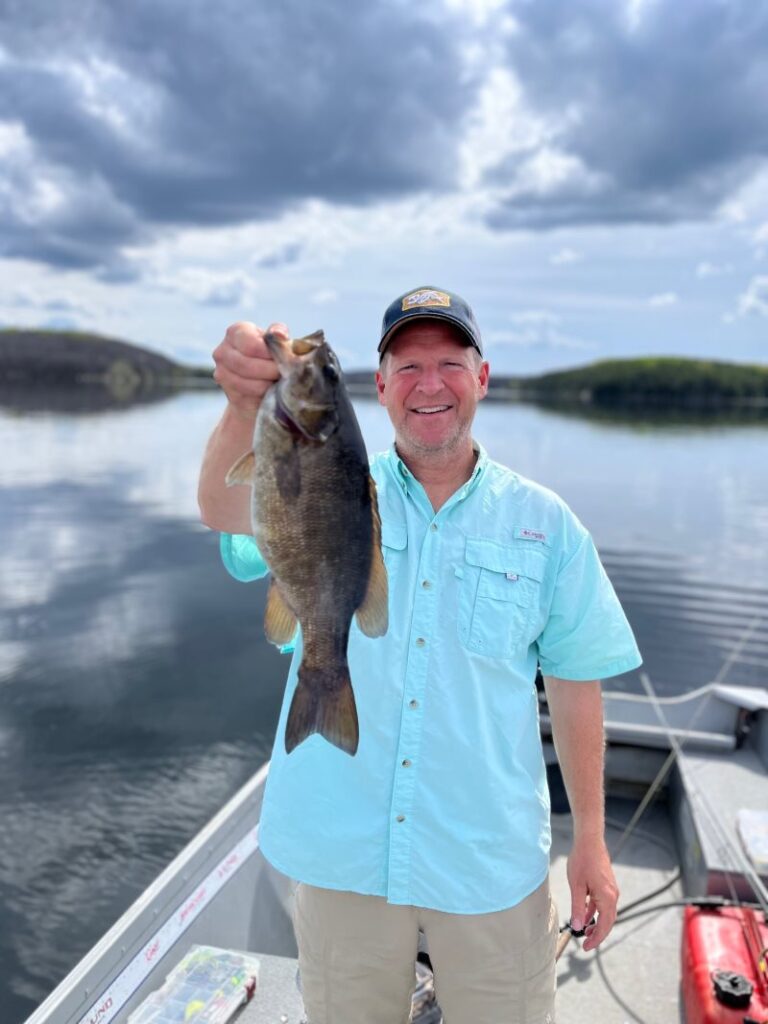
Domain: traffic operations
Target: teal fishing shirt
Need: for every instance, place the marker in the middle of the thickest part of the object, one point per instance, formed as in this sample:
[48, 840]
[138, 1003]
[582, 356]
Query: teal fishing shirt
[445, 804]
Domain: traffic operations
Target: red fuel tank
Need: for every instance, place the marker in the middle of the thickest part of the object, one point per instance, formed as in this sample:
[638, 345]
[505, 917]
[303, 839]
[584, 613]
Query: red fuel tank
[722, 950]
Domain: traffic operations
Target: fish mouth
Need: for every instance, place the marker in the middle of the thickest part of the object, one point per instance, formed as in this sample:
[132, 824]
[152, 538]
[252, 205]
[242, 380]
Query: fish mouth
[286, 350]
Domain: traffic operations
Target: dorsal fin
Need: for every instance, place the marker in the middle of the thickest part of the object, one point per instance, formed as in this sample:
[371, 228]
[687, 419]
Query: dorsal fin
[373, 614]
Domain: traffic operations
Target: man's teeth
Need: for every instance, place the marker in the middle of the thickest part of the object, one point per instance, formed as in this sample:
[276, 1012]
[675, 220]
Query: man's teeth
[433, 408]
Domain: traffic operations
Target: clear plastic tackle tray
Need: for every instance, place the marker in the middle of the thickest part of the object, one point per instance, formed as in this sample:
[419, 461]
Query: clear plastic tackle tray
[207, 987]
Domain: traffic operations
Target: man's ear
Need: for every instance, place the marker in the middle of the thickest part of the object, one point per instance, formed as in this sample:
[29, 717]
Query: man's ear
[483, 377]
[380, 387]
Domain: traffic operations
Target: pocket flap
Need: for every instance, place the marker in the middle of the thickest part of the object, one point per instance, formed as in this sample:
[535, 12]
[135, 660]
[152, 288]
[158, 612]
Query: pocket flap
[394, 535]
[520, 559]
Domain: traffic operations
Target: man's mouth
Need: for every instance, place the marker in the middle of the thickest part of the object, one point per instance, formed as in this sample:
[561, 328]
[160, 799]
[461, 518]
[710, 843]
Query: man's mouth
[430, 410]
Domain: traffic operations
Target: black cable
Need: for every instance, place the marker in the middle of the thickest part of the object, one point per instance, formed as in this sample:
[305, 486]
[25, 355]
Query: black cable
[649, 896]
[704, 903]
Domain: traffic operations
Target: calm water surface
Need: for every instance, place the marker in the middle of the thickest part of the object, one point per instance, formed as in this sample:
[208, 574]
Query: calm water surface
[137, 692]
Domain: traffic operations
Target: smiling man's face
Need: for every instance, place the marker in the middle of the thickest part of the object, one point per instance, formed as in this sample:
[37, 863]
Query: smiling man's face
[430, 383]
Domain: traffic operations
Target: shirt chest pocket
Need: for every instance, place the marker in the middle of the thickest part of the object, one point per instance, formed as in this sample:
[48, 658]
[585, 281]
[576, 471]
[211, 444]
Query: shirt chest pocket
[499, 596]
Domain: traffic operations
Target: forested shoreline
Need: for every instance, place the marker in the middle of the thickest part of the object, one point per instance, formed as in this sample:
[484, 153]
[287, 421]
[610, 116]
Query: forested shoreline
[32, 358]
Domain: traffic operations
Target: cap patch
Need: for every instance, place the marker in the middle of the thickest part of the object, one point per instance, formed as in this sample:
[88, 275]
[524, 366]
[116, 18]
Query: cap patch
[426, 297]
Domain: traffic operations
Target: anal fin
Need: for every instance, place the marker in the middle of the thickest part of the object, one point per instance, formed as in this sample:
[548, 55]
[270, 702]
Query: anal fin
[279, 620]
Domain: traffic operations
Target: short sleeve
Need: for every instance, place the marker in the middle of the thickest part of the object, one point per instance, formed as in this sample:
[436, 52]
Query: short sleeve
[241, 557]
[587, 635]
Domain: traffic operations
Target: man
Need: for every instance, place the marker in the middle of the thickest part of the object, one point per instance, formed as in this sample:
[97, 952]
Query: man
[440, 823]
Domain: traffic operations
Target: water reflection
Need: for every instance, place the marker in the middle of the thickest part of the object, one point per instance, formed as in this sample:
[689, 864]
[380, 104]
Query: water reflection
[137, 691]
[647, 417]
[130, 707]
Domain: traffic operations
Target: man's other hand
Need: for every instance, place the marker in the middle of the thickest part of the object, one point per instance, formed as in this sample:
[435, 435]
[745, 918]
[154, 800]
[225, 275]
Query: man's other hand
[593, 888]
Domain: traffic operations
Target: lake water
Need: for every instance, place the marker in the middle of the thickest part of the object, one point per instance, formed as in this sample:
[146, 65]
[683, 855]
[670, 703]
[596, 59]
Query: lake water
[137, 692]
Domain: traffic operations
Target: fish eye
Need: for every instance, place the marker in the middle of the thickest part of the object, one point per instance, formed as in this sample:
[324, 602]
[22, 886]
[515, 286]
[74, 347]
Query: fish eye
[330, 372]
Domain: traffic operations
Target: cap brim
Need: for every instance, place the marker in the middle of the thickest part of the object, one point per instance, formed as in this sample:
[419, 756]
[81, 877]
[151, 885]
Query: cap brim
[431, 314]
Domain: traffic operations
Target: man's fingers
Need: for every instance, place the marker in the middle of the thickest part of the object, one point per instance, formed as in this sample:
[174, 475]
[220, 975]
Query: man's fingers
[578, 899]
[238, 384]
[606, 918]
[246, 337]
[279, 328]
[246, 366]
[600, 930]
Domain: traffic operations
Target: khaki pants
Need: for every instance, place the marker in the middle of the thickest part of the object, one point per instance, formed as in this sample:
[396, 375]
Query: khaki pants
[357, 955]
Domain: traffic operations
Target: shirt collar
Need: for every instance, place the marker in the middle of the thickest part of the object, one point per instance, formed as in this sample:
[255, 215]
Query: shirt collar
[404, 476]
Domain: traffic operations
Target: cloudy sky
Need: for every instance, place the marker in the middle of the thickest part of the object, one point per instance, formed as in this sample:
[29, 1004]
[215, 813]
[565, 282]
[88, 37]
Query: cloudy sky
[592, 175]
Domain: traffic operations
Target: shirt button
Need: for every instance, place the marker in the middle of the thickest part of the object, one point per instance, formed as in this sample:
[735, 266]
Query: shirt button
[420, 641]
[426, 584]
[401, 817]
[433, 527]
[406, 763]
[413, 704]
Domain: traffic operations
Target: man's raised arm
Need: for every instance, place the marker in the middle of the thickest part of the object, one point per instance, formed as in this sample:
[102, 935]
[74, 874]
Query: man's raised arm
[245, 370]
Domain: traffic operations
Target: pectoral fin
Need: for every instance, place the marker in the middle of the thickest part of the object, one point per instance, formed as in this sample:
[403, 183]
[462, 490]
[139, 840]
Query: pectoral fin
[372, 615]
[279, 620]
[242, 471]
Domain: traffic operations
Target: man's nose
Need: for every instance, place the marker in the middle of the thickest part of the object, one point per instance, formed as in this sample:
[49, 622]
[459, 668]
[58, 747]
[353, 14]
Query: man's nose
[430, 381]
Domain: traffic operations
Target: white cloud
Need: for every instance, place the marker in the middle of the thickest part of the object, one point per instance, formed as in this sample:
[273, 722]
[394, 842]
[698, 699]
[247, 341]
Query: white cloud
[535, 316]
[324, 296]
[551, 170]
[663, 299]
[499, 127]
[209, 287]
[478, 10]
[707, 269]
[566, 255]
[536, 329]
[634, 12]
[755, 298]
[13, 138]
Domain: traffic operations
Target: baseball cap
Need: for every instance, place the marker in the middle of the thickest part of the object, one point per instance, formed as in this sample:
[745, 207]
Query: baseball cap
[434, 303]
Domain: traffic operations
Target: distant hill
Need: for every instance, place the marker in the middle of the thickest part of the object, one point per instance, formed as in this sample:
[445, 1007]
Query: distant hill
[655, 381]
[32, 359]
[39, 358]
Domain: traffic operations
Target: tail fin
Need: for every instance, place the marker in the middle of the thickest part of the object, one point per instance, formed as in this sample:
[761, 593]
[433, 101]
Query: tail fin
[323, 702]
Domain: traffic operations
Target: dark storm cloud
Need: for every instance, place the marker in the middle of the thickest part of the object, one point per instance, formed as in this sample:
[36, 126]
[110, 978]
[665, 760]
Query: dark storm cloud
[125, 118]
[671, 110]
[185, 112]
